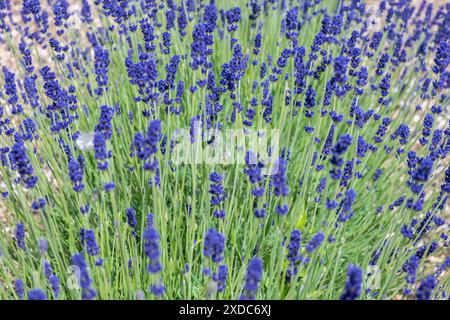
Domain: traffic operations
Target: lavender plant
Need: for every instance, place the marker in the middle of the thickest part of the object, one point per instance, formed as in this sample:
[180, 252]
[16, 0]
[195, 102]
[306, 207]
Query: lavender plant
[94, 204]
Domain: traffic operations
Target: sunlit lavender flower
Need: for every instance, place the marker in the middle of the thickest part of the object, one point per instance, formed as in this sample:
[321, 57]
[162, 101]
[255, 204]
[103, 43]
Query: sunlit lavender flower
[31, 7]
[421, 174]
[221, 278]
[11, 90]
[76, 175]
[20, 162]
[254, 173]
[279, 182]
[86, 14]
[340, 75]
[61, 14]
[157, 289]
[19, 288]
[338, 150]
[104, 124]
[357, 93]
[426, 287]
[345, 210]
[315, 242]
[52, 279]
[131, 218]
[152, 249]
[145, 147]
[252, 279]
[233, 16]
[85, 281]
[217, 194]
[88, 241]
[200, 47]
[109, 186]
[36, 294]
[214, 245]
[43, 245]
[411, 267]
[352, 289]
[20, 236]
[294, 257]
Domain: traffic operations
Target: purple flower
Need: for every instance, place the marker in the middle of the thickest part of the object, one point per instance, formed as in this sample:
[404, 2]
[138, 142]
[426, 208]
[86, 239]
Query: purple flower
[32, 7]
[86, 12]
[217, 194]
[336, 25]
[43, 245]
[61, 13]
[36, 294]
[294, 257]
[166, 42]
[424, 170]
[52, 279]
[109, 186]
[279, 184]
[411, 267]
[221, 278]
[104, 124]
[352, 289]
[291, 21]
[258, 43]
[170, 19]
[20, 162]
[10, 88]
[345, 210]
[347, 173]
[446, 185]
[145, 147]
[101, 63]
[100, 151]
[157, 289]
[279, 179]
[426, 288]
[252, 279]
[376, 39]
[182, 22]
[200, 47]
[421, 174]
[338, 150]
[152, 249]
[85, 281]
[310, 99]
[38, 205]
[29, 84]
[382, 62]
[233, 16]
[76, 175]
[214, 245]
[143, 74]
[19, 288]
[27, 60]
[315, 242]
[233, 71]
[148, 34]
[254, 173]
[131, 217]
[210, 17]
[63, 102]
[442, 59]
[340, 75]
[20, 236]
[88, 241]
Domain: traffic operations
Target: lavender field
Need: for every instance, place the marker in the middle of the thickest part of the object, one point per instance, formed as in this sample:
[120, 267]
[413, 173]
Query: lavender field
[212, 149]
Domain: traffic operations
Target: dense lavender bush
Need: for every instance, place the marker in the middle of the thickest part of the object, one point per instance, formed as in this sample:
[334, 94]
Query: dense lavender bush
[349, 203]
